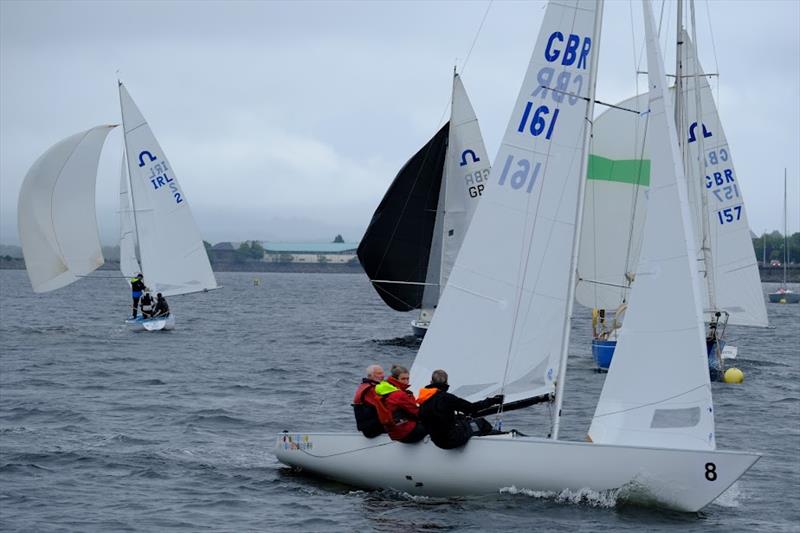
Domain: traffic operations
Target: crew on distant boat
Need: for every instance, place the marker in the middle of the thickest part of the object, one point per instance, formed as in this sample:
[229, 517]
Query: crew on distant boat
[447, 416]
[162, 308]
[137, 287]
[147, 305]
[367, 405]
[404, 425]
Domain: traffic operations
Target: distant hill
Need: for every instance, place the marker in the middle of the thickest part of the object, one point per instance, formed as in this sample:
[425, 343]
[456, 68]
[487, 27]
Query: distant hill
[10, 250]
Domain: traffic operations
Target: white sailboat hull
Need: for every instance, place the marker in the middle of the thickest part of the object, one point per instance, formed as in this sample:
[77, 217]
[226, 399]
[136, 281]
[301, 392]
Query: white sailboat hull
[151, 324]
[420, 327]
[684, 480]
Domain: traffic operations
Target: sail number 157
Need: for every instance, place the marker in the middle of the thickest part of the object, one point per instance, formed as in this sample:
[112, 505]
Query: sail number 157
[729, 214]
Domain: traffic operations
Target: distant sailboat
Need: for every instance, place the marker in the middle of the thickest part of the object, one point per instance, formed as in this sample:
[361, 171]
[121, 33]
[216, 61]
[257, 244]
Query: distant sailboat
[503, 323]
[58, 222]
[784, 295]
[615, 212]
[414, 236]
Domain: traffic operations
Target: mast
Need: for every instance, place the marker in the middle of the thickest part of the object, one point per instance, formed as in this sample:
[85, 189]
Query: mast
[705, 245]
[127, 160]
[576, 235]
[785, 231]
[679, 81]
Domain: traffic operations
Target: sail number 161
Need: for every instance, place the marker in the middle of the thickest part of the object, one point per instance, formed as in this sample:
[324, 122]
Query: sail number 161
[538, 122]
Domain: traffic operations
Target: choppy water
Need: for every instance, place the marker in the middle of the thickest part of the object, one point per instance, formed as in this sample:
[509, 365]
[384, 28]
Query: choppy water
[102, 429]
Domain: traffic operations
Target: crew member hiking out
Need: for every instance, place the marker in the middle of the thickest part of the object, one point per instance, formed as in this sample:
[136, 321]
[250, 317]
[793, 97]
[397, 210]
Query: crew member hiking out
[162, 308]
[405, 425]
[137, 287]
[447, 416]
[367, 406]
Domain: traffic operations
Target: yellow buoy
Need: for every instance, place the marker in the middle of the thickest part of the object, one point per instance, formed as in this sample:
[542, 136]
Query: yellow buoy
[733, 375]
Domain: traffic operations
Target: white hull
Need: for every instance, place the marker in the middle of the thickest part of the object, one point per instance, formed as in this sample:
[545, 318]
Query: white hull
[420, 327]
[676, 479]
[151, 324]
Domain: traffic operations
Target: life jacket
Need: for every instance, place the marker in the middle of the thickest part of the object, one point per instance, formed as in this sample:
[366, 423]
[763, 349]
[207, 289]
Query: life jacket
[425, 394]
[368, 410]
[147, 304]
[137, 285]
[397, 416]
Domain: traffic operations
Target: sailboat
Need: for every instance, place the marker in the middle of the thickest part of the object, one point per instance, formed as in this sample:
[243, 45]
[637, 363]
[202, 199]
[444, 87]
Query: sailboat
[615, 211]
[58, 221]
[509, 285]
[415, 233]
[784, 295]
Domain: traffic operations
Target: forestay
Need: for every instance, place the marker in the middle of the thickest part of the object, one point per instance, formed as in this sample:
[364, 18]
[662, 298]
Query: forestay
[173, 256]
[128, 262]
[56, 212]
[675, 410]
[499, 324]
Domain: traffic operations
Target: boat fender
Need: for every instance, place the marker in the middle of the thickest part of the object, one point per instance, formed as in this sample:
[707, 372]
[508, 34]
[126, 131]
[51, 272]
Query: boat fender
[733, 375]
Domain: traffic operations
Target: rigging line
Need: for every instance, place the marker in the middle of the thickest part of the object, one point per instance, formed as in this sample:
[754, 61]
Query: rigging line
[477, 34]
[441, 118]
[713, 44]
[595, 282]
[395, 297]
[586, 99]
[403, 282]
[649, 404]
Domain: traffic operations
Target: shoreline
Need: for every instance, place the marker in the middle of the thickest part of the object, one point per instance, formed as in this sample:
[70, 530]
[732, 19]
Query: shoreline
[767, 274]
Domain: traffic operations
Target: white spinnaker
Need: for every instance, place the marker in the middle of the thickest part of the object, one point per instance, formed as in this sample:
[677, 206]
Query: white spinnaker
[737, 284]
[613, 212]
[466, 175]
[664, 323]
[174, 259]
[56, 212]
[128, 262]
[499, 324]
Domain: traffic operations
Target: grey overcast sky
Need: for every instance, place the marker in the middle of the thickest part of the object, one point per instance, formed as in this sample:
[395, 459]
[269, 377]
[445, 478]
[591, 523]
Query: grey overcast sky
[288, 120]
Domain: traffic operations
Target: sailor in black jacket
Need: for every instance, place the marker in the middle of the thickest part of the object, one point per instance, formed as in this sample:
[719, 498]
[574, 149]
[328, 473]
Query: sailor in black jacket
[447, 416]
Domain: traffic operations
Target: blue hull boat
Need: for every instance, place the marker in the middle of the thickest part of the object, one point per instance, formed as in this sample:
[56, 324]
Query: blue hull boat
[603, 352]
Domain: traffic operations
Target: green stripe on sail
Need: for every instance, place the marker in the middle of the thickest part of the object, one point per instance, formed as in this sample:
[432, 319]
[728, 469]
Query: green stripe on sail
[631, 171]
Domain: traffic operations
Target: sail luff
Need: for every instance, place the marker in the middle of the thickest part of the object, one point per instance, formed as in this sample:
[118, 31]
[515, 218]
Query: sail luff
[576, 234]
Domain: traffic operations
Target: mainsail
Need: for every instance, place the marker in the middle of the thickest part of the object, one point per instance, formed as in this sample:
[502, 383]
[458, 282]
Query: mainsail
[675, 410]
[395, 248]
[500, 321]
[56, 212]
[174, 259]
